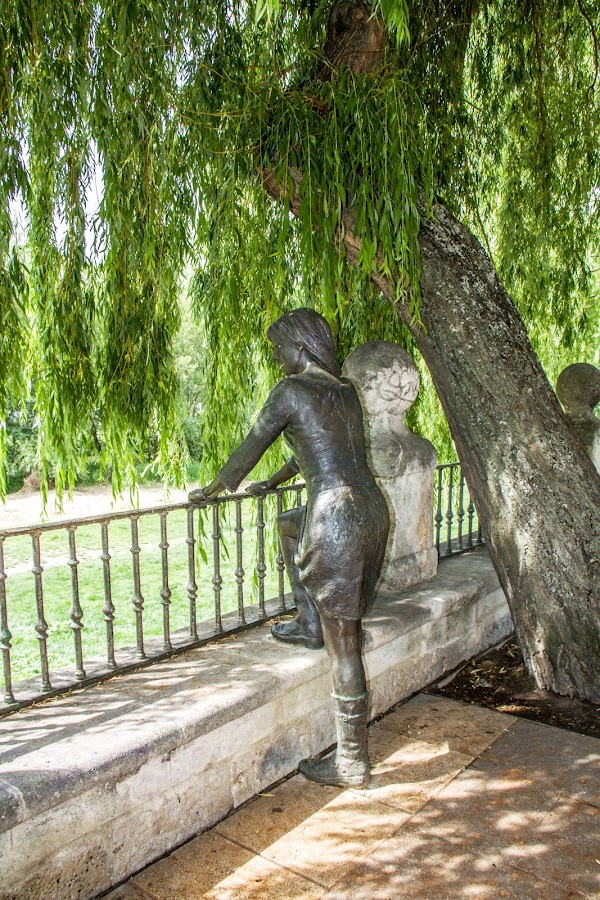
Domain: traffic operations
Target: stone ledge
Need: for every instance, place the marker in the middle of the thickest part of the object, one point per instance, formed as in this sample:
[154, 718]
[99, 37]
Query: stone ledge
[168, 751]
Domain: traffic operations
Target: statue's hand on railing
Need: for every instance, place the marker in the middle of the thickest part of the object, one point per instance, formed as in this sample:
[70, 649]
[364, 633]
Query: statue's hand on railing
[259, 488]
[201, 495]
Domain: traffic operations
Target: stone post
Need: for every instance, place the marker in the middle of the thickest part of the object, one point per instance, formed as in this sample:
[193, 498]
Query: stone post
[387, 381]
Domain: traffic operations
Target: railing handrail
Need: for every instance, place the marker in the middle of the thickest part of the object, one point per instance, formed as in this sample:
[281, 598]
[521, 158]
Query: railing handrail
[155, 510]
[138, 512]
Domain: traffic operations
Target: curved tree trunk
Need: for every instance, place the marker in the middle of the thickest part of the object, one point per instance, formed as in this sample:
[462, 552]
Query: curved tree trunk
[536, 490]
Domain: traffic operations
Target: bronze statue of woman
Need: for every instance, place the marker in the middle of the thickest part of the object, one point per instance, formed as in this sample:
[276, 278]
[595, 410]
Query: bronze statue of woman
[334, 546]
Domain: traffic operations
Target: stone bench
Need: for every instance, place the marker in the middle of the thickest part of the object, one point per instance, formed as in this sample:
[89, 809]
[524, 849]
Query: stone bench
[97, 784]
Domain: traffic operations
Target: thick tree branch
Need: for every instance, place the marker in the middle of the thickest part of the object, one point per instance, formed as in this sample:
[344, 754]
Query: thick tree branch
[355, 38]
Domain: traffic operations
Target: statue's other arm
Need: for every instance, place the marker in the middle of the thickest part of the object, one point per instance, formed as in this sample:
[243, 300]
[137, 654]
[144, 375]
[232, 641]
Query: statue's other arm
[287, 471]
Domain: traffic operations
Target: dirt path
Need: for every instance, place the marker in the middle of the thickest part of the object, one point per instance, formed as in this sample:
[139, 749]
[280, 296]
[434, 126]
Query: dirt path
[24, 509]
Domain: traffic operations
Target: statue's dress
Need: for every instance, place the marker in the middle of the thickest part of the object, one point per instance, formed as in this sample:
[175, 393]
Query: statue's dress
[344, 525]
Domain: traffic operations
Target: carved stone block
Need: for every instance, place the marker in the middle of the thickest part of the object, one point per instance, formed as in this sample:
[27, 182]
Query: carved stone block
[387, 381]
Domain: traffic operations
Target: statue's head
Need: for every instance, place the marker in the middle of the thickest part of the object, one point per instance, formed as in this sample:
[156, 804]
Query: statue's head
[387, 379]
[303, 334]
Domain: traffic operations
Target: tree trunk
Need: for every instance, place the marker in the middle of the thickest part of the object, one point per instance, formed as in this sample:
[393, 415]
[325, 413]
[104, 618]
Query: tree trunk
[535, 488]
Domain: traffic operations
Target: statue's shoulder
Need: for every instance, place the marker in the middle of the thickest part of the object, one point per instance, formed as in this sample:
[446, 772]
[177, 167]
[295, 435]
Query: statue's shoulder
[284, 394]
[297, 382]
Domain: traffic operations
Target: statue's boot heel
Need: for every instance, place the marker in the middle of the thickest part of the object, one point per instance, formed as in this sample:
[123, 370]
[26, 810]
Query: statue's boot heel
[350, 765]
[298, 632]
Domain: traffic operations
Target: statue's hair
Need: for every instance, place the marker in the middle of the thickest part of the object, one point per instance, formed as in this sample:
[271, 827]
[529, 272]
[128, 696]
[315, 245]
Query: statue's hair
[307, 328]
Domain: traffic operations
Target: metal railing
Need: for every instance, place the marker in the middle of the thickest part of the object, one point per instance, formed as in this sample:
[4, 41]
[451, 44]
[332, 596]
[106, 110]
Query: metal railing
[156, 577]
[456, 524]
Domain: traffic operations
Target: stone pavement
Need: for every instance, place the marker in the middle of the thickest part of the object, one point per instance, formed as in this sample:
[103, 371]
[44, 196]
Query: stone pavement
[464, 802]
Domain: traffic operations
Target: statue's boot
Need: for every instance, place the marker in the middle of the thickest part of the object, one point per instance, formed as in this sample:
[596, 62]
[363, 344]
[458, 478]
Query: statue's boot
[306, 628]
[349, 767]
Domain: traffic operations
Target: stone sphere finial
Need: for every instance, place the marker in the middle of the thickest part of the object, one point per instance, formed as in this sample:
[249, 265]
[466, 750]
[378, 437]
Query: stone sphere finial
[578, 387]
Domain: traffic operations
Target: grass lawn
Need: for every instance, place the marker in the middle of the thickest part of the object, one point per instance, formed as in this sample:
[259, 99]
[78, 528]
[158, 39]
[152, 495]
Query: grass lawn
[20, 583]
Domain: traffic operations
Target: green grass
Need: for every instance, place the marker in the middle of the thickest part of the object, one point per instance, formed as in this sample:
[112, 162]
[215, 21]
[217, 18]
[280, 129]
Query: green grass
[57, 593]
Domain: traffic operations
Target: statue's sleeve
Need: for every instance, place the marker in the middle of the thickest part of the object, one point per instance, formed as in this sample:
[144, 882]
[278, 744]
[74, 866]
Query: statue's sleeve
[270, 422]
[293, 466]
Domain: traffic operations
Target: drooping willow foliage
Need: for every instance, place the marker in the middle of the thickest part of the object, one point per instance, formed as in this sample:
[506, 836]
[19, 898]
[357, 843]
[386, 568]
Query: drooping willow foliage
[134, 138]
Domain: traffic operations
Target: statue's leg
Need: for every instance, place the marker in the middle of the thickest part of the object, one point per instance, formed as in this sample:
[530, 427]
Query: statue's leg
[305, 629]
[350, 765]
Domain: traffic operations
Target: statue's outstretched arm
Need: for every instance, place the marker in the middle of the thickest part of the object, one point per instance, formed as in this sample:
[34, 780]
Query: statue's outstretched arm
[272, 419]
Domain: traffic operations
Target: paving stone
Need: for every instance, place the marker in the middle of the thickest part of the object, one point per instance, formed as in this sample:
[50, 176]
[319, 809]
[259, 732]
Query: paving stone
[314, 830]
[569, 847]
[262, 880]
[494, 811]
[465, 728]
[194, 868]
[213, 867]
[325, 845]
[407, 773]
[275, 813]
[515, 808]
[568, 763]
[420, 866]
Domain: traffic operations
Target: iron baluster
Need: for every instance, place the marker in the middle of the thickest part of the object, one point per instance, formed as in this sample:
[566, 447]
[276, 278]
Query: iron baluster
[41, 625]
[166, 591]
[471, 516]
[137, 599]
[5, 635]
[217, 580]
[461, 509]
[449, 510]
[192, 588]
[438, 518]
[279, 562]
[108, 610]
[76, 610]
[261, 568]
[239, 571]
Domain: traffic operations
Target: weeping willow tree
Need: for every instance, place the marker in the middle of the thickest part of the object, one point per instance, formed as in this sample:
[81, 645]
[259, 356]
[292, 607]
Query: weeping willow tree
[352, 158]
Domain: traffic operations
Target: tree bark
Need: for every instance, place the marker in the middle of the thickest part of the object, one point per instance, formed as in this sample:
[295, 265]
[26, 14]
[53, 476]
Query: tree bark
[536, 490]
